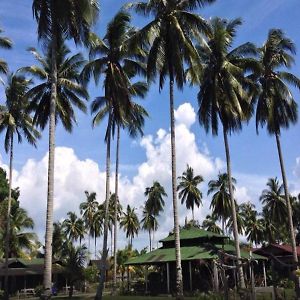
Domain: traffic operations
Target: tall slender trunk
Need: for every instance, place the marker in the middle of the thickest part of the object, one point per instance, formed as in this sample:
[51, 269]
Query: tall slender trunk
[153, 233]
[179, 283]
[116, 212]
[233, 211]
[150, 249]
[7, 236]
[95, 246]
[105, 230]
[290, 214]
[50, 193]
[193, 216]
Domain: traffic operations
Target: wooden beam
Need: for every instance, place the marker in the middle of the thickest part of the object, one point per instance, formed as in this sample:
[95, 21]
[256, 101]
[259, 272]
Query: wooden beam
[215, 276]
[191, 278]
[168, 278]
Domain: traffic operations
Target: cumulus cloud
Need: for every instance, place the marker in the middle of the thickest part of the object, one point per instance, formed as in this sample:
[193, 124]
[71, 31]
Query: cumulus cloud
[73, 176]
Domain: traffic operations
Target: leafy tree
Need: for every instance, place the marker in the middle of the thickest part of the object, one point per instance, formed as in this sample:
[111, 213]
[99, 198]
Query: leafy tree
[59, 239]
[149, 223]
[220, 203]
[5, 43]
[57, 21]
[130, 224]
[170, 36]
[188, 189]
[4, 187]
[272, 199]
[119, 61]
[88, 210]
[276, 107]
[74, 227]
[210, 224]
[21, 240]
[223, 95]
[74, 262]
[155, 202]
[15, 123]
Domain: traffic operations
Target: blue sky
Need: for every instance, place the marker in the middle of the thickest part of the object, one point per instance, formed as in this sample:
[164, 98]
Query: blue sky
[253, 157]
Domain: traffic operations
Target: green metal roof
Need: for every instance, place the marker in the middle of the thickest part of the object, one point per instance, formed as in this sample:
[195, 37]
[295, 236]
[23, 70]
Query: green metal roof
[193, 233]
[163, 255]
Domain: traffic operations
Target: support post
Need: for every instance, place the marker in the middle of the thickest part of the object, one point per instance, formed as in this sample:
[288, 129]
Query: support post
[168, 278]
[215, 277]
[265, 275]
[253, 293]
[191, 278]
[146, 280]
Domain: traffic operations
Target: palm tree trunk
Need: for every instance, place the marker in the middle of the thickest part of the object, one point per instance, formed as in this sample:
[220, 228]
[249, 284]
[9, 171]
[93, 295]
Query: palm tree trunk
[50, 193]
[7, 236]
[233, 211]
[116, 212]
[290, 214]
[150, 249]
[95, 244]
[179, 283]
[193, 215]
[153, 233]
[105, 230]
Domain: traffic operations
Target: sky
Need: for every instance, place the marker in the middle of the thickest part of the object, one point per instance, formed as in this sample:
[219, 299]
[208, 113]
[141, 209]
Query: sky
[80, 156]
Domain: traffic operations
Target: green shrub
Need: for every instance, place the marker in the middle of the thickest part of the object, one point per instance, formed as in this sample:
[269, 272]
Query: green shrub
[209, 296]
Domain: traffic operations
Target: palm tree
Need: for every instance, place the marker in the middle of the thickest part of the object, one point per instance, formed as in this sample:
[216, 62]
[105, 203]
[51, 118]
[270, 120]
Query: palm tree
[150, 224]
[118, 65]
[5, 43]
[59, 239]
[274, 206]
[224, 96]
[20, 238]
[74, 263]
[210, 224]
[88, 210]
[188, 189]
[130, 224]
[69, 93]
[15, 122]
[220, 203]
[155, 202]
[74, 227]
[170, 35]
[276, 106]
[253, 224]
[57, 21]
[97, 226]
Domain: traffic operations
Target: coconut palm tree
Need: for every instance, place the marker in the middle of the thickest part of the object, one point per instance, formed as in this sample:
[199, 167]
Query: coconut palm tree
[273, 202]
[150, 224]
[155, 202]
[188, 189]
[220, 203]
[74, 227]
[59, 239]
[130, 224]
[118, 61]
[253, 223]
[5, 43]
[16, 123]
[57, 21]
[224, 94]
[210, 224]
[88, 210]
[276, 107]
[170, 35]
[74, 263]
[97, 227]
[21, 239]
